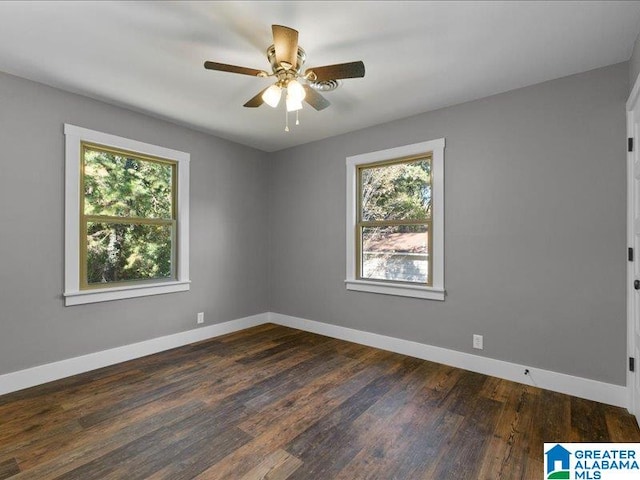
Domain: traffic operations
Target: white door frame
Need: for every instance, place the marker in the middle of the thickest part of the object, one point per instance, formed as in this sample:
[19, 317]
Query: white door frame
[633, 109]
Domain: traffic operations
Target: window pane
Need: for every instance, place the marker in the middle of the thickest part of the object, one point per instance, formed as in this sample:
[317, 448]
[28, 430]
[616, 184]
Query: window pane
[121, 252]
[399, 253]
[399, 191]
[121, 186]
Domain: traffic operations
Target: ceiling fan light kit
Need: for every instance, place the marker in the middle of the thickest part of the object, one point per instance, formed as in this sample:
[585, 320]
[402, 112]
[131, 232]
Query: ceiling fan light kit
[272, 95]
[295, 91]
[287, 59]
[293, 105]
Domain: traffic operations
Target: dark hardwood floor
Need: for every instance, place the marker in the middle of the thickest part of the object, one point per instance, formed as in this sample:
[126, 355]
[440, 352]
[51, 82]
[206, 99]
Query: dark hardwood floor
[276, 403]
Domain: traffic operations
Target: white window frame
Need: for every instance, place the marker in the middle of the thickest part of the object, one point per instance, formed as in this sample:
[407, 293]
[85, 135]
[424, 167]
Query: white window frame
[436, 291]
[74, 136]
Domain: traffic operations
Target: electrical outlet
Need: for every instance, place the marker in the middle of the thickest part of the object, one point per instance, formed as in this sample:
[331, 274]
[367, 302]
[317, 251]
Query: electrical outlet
[477, 342]
[201, 317]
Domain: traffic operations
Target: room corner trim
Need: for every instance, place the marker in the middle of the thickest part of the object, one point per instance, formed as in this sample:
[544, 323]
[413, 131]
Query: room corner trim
[49, 372]
[557, 382]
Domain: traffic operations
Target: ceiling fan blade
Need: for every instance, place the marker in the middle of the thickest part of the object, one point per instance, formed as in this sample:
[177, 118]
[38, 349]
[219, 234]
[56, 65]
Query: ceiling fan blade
[256, 101]
[314, 99]
[285, 41]
[338, 71]
[223, 67]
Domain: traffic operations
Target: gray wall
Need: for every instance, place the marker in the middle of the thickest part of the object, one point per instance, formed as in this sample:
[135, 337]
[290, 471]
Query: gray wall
[534, 228]
[634, 63]
[228, 224]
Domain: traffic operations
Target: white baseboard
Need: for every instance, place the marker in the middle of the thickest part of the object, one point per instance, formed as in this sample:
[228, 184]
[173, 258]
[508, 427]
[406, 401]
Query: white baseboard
[30, 377]
[557, 382]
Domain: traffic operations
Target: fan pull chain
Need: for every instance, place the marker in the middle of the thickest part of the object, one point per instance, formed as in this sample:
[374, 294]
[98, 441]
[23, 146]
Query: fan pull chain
[286, 120]
[297, 120]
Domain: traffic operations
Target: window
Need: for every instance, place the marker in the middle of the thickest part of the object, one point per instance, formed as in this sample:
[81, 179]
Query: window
[126, 212]
[395, 221]
[127, 217]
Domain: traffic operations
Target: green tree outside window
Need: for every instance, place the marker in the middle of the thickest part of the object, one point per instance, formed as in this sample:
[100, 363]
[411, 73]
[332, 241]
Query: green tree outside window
[128, 217]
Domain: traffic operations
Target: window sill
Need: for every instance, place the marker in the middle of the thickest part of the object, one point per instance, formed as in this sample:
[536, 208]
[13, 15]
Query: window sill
[82, 297]
[428, 293]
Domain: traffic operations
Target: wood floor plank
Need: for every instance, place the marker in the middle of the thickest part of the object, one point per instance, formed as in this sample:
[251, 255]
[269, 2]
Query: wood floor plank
[403, 441]
[554, 417]
[411, 436]
[328, 445]
[619, 427]
[314, 400]
[348, 349]
[226, 381]
[277, 466]
[276, 403]
[88, 400]
[185, 459]
[9, 468]
[41, 420]
[72, 453]
[35, 441]
[261, 333]
[588, 418]
[509, 449]
[32, 395]
[461, 399]
[269, 391]
[199, 456]
[154, 450]
[264, 378]
[497, 389]
[287, 379]
[470, 440]
[441, 382]
[293, 414]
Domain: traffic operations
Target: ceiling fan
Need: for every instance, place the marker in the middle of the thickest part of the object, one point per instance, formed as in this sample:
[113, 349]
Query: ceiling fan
[287, 60]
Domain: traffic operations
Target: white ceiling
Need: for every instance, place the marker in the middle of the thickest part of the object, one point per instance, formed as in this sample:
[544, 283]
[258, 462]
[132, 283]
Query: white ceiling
[419, 56]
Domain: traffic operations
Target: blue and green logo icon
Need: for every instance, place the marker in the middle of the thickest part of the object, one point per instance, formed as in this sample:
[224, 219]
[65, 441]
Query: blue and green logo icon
[558, 463]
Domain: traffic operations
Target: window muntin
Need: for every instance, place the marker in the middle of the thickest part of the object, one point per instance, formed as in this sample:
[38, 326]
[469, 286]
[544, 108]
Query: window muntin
[394, 221]
[128, 214]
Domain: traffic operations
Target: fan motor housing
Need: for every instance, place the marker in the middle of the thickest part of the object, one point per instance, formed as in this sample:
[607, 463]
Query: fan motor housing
[279, 69]
[284, 74]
